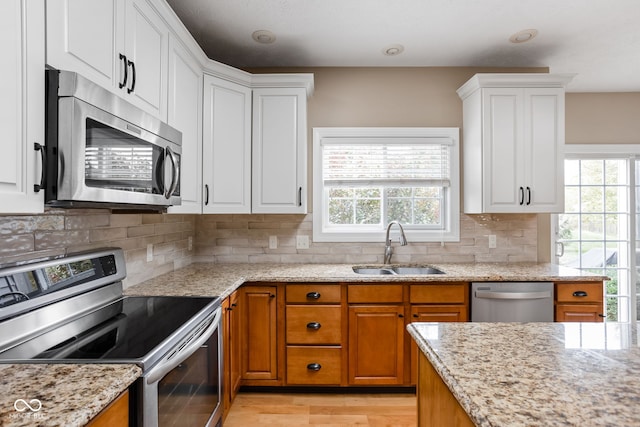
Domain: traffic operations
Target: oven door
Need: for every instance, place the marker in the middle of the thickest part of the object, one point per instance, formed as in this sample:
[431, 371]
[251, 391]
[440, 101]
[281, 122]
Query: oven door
[185, 388]
[105, 159]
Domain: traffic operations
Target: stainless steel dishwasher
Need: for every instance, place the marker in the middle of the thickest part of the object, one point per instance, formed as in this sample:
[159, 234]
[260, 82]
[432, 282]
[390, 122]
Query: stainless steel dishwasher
[512, 302]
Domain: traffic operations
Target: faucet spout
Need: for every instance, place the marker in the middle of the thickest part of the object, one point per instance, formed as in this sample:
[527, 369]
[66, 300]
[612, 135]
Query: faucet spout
[388, 250]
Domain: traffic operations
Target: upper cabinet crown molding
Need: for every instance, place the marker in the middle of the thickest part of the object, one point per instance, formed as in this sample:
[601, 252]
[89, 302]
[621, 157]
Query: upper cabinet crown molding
[284, 80]
[530, 80]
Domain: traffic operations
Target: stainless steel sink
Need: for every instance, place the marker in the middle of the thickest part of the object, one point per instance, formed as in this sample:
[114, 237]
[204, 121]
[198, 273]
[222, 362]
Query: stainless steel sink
[373, 270]
[417, 270]
[397, 270]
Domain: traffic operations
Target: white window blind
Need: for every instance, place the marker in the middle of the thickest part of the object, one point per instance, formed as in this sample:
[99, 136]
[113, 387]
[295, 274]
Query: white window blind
[400, 162]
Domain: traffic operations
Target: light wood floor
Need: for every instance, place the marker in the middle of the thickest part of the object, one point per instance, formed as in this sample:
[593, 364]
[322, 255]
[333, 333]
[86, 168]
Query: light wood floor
[327, 410]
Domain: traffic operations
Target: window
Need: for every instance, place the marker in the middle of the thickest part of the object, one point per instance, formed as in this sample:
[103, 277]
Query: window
[366, 177]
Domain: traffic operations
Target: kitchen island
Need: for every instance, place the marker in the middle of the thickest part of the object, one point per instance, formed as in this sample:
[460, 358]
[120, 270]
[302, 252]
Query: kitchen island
[530, 374]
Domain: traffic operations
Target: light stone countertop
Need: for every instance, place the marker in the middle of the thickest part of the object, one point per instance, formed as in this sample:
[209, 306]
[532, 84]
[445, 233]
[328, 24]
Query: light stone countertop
[207, 279]
[72, 394]
[538, 374]
[68, 394]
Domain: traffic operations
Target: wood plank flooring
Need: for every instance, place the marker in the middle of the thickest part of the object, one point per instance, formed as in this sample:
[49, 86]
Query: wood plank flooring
[322, 410]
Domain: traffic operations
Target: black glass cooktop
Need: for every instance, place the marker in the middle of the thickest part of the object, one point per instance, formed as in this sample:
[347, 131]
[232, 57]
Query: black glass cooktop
[125, 330]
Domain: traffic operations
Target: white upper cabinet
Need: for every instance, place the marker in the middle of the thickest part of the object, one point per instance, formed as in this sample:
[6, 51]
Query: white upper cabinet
[226, 155]
[21, 105]
[279, 150]
[120, 44]
[513, 143]
[146, 40]
[185, 114]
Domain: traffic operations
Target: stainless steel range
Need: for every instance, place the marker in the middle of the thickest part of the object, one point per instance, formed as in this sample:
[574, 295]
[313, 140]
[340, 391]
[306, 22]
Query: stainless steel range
[71, 310]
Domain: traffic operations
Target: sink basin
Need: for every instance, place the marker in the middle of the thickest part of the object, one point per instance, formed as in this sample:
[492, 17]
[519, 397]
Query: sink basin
[373, 270]
[417, 270]
[397, 270]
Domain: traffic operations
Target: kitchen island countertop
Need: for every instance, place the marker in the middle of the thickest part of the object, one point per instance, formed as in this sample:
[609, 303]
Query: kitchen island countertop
[65, 394]
[208, 279]
[537, 374]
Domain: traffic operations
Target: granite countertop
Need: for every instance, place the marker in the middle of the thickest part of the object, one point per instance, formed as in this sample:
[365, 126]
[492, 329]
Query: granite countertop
[535, 374]
[71, 395]
[207, 279]
[60, 394]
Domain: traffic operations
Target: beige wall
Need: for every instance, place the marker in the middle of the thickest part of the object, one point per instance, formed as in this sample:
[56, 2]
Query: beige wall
[603, 118]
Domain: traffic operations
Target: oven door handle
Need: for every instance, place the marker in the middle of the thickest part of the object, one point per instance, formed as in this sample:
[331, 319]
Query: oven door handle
[170, 363]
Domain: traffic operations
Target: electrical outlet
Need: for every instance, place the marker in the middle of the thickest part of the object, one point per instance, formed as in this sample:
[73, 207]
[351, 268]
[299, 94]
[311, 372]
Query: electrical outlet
[492, 241]
[190, 243]
[273, 242]
[149, 252]
[302, 242]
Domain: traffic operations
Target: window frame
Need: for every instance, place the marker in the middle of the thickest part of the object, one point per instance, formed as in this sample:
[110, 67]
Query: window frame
[451, 206]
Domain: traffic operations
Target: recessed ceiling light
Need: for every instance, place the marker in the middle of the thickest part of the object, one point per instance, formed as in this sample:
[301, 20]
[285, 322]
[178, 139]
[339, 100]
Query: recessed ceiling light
[393, 50]
[263, 36]
[523, 36]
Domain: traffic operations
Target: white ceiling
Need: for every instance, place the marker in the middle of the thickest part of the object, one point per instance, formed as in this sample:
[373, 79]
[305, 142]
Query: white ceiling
[599, 40]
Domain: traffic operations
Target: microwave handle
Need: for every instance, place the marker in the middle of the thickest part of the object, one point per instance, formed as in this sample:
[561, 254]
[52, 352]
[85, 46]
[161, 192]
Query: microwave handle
[175, 172]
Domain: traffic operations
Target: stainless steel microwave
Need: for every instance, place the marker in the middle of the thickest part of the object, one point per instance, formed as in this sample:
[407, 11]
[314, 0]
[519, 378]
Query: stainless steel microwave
[102, 151]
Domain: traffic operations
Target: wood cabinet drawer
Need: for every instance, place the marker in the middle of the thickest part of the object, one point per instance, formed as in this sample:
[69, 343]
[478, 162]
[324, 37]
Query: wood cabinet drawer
[314, 365]
[579, 292]
[374, 293]
[439, 313]
[314, 324]
[451, 293]
[313, 293]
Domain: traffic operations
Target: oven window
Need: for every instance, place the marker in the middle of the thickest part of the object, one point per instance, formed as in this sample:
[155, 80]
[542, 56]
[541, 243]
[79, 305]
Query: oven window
[120, 161]
[190, 394]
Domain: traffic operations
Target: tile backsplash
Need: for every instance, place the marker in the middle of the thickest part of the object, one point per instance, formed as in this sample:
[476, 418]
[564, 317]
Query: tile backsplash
[245, 238]
[242, 238]
[58, 231]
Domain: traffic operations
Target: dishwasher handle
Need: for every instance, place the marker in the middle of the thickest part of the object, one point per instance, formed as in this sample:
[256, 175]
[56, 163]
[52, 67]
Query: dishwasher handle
[513, 295]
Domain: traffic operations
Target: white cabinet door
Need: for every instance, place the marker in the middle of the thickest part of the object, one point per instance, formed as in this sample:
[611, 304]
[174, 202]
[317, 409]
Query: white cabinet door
[513, 150]
[146, 38]
[21, 105]
[226, 147]
[81, 37]
[185, 114]
[279, 150]
[121, 45]
[544, 128]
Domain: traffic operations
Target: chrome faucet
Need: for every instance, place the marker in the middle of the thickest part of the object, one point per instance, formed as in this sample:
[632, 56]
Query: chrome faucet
[388, 250]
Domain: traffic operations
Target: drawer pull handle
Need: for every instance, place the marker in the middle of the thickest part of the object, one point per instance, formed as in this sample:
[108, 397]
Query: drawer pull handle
[313, 325]
[314, 366]
[313, 295]
[580, 294]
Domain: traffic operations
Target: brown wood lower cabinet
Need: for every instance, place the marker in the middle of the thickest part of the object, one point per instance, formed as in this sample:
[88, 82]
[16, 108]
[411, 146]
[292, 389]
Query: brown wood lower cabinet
[231, 350]
[114, 415]
[446, 302]
[376, 345]
[579, 302]
[258, 325]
